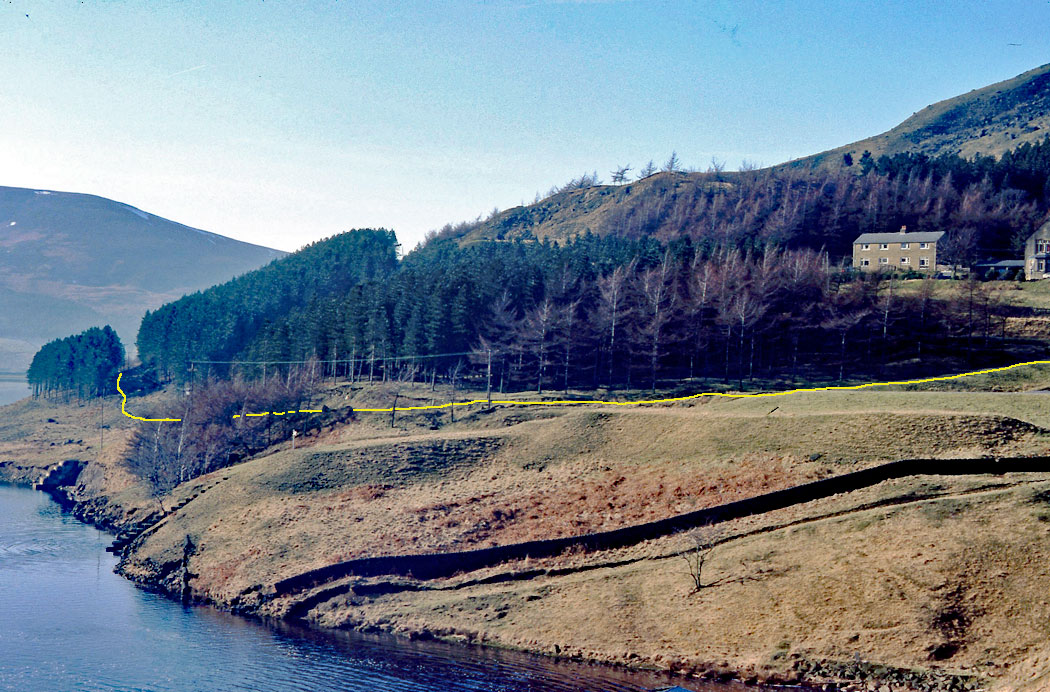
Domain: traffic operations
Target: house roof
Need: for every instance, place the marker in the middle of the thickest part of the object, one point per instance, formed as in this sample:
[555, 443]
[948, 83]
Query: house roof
[1042, 232]
[929, 237]
[1002, 264]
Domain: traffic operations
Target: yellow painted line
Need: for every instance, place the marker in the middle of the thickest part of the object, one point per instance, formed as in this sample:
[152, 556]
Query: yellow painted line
[124, 400]
[275, 413]
[600, 402]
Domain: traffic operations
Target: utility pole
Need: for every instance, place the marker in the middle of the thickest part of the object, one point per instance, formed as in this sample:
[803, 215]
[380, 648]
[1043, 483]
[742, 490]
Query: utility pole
[295, 434]
[488, 378]
[393, 409]
[452, 404]
[102, 424]
[182, 435]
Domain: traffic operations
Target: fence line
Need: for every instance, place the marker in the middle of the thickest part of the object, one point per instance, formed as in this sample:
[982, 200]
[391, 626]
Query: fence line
[368, 359]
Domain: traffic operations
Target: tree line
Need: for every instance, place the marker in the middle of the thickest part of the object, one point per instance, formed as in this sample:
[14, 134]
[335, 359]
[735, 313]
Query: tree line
[614, 312]
[85, 365]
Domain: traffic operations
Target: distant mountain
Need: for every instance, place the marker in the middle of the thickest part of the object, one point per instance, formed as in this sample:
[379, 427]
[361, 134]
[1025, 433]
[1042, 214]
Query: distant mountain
[70, 261]
[988, 121]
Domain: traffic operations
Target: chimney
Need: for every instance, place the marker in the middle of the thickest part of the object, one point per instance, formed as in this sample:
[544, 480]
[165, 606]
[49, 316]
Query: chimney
[904, 229]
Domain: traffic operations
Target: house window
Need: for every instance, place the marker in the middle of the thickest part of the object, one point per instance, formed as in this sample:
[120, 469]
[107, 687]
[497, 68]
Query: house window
[1042, 265]
[924, 246]
[865, 262]
[884, 246]
[905, 246]
[884, 260]
[865, 246]
[905, 260]
[924, 261]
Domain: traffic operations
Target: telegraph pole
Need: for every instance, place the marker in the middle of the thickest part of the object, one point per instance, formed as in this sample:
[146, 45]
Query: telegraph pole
[182, 434]
[488, 378]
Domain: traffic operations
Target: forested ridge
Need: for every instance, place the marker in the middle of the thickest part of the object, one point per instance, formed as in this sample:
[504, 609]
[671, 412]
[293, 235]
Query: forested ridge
[592, 313]
[217, 323]
[600, 312]
[629, 309]
[740, 310]
[988, 206]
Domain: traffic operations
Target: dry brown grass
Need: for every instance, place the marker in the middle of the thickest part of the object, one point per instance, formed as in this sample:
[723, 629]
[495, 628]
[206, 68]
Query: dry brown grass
[892, 584]
[577, 472]
[824, 580]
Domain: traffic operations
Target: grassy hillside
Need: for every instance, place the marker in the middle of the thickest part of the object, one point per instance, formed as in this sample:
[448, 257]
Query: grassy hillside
[880, 572]
[921, 578]
[988, 121]
[633, 210]
[574, 473]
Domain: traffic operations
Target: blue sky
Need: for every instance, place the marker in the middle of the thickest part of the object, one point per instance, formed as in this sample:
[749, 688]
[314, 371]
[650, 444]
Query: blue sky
[280, 123]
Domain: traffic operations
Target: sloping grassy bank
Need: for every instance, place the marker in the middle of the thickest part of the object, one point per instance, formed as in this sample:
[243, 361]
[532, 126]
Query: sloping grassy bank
[924, 583]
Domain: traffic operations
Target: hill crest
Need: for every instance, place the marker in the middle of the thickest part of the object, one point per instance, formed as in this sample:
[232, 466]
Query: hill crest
[988, 121]
[799, 199]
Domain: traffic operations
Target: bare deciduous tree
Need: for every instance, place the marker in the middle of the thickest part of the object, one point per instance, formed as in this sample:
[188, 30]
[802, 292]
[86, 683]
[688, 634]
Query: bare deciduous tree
[619, 176]
[700, 292]
[844, 310]
[538, 329]
[567, 326]
[959, 248]
[673, 163]
[611, 306]
[702, 541]
[658, 300]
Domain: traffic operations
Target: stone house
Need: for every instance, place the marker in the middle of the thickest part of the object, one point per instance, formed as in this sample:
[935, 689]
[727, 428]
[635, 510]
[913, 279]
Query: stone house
[1037, 254]
[901, 251]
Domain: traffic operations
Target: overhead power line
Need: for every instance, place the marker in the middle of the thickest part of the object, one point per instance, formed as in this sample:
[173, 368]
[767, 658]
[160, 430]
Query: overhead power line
[341, 360]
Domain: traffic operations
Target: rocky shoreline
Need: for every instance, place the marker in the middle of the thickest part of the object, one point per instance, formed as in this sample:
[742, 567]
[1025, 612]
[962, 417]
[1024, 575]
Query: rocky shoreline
[803, 674]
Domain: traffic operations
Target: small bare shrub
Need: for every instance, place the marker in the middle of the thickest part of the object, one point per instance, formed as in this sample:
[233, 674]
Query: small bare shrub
[704, 540]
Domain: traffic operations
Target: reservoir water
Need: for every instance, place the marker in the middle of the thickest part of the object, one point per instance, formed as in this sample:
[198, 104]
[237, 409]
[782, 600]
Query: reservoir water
[67, 622]
[12, 389]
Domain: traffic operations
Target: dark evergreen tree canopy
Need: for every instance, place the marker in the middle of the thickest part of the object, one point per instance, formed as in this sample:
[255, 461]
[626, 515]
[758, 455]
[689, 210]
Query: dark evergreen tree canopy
[215, 324]
[751, 281]
[86, 364]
